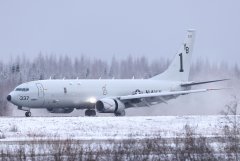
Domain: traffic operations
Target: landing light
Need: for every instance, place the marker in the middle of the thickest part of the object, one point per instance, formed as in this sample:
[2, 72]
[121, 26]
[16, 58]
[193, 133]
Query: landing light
[92, 100]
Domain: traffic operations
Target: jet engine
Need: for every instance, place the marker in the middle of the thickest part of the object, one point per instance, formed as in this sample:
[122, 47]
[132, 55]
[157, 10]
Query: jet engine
[60, 110]
[108, 105]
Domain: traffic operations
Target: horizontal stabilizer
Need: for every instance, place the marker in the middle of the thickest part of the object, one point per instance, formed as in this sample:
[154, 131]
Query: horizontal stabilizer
[198, 83]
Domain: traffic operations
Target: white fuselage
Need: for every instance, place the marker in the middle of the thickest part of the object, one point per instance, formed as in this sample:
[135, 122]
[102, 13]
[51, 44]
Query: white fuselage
[110, 95]
[75, 93]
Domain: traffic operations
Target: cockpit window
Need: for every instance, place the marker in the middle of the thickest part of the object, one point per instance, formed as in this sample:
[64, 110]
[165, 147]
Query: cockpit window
[22, 89]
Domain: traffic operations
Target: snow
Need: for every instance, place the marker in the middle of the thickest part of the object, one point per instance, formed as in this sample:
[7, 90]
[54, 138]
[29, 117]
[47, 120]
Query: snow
[105, 128]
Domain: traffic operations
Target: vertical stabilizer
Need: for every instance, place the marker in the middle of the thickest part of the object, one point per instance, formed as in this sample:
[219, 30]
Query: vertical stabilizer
[179, 68]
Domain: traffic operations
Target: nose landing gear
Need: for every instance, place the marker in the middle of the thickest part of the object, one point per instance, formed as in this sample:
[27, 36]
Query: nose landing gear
[28, 114]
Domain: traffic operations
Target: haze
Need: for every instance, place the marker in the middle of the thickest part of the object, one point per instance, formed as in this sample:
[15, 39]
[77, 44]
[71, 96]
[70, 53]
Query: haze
[105, 28]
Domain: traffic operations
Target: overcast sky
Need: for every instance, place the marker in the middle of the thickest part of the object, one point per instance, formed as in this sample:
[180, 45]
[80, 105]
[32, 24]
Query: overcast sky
[103, 28]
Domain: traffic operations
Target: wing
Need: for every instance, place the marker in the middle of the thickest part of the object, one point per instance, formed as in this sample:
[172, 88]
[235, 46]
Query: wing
[148, 99]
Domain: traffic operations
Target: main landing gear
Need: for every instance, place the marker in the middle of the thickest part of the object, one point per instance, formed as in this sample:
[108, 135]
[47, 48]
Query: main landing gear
[122, 113]
[90, 113]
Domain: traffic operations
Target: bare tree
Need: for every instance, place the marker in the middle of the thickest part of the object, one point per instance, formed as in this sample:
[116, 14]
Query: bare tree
[231, 129]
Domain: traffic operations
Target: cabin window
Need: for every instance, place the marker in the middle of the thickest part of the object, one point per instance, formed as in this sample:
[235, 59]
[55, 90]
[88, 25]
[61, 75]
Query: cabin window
[22, 89]
[65, 90]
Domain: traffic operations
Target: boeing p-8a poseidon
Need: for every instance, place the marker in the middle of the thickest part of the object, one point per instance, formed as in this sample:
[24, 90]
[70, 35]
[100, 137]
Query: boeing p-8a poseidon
[109, 95]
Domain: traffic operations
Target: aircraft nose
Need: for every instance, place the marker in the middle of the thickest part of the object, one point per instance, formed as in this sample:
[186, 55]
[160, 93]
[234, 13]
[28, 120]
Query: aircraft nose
[9, 97]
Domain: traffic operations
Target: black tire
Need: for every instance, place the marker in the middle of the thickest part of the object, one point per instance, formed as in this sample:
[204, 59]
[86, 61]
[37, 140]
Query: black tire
[122, 113]
[93, 113]
[90, 113]
[28, 114]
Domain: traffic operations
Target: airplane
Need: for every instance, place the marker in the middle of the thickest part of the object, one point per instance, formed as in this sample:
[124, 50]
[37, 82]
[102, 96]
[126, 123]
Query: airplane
[110, 95]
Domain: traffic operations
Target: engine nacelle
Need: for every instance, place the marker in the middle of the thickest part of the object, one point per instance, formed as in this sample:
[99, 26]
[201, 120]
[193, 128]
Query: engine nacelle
[108, 105]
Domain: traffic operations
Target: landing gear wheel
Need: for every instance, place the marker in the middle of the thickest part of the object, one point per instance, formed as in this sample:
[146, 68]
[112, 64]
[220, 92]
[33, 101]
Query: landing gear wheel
[90, 113]
[93, 112]
[28, 114]
[122, 113]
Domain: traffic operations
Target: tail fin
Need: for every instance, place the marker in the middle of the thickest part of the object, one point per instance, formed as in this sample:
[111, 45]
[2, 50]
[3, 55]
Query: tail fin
[179, 68]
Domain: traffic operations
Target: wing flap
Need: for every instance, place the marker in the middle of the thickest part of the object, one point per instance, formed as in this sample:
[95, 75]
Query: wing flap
[160, 94]
[198, 83]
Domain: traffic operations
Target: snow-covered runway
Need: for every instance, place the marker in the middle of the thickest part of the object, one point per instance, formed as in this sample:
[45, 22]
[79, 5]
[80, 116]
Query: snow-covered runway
[102, 128]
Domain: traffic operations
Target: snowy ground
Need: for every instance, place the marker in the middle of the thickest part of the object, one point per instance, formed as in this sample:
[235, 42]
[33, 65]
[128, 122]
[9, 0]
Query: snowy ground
[104, 138]
[102, 128]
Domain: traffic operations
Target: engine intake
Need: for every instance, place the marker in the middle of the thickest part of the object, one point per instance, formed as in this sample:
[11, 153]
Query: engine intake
[108, 105]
